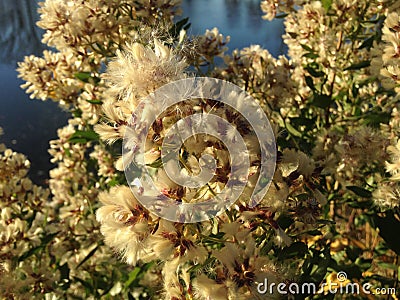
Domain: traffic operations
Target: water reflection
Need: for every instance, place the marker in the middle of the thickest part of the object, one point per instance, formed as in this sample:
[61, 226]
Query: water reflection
[18, 35]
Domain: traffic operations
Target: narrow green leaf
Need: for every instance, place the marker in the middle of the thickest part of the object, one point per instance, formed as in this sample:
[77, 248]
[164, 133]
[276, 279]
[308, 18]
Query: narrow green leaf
[156, 164]
[281, 16]
[83, 76]
[398, 273]
[367, 43]
[293, 131]
[313, 72]
[358, 66]
[95, 101]
[385, 265]
[376, 118]
[82, 137]
[359, 191]
[297, 249]
[86, 76]
[45, 240]
[90, 254]
[178, 26]
[132, 276]
[314, 232]
[310, 83]
[303, 121]
[86, 284]
[307, 48]
[311, 55]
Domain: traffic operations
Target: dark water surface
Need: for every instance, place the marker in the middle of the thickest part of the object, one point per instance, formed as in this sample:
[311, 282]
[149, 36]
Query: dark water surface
[30, 124]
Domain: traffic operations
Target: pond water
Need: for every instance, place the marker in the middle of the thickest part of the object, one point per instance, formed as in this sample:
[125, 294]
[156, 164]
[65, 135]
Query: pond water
[30, 124]
[240, 19]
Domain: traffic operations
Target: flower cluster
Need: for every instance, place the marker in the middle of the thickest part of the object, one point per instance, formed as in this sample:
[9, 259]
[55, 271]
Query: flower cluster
[268, 79]
[101, 25]
[22, 215]
[388, 53]
[334, 107]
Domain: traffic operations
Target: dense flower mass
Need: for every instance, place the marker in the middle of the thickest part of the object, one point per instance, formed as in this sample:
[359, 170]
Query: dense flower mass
[334, 199]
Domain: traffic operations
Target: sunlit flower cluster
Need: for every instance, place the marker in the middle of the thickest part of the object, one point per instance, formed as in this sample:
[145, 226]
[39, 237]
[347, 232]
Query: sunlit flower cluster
[267, 79]
[388, 53]
[388, 192]
[274, 8]
[22, 215]
[333, 105]
[209, 46]
[101, 25]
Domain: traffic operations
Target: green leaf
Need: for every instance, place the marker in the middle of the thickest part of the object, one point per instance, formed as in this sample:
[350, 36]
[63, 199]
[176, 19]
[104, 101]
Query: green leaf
[359, 191]
[45, 240]
[314, 232]
[358, 66]
[398, 273]
[376, 118]
[86, 284]
[86, 76]
[113, 182]
[389, 228]
[303, 121]
[82, 137]
[361, 204]
[322, 101]
[293, 131]
[311, 55]
[367, 43]
[310, 83]
[178, 26]
[83, 76]
[281, 16]
[90, 254]
[353, 253]
[156, 164]
[95, 101]
[327, 4]
[313, 72]
[363, 263]
[284, 221]
[297, 249]
[385, 265]
[132, 277]
[137, 274]
[307, 48]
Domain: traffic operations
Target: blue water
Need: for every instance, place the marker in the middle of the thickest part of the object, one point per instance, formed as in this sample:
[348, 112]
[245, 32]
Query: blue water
[240, 19]
[29, 124]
